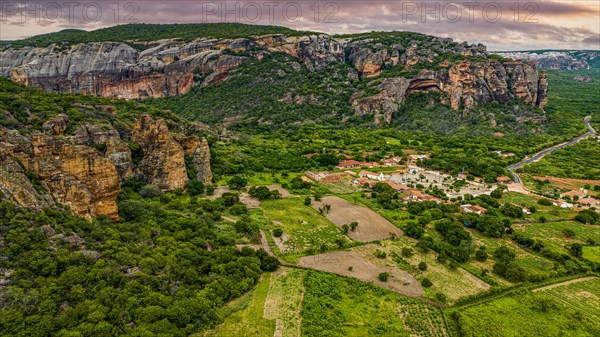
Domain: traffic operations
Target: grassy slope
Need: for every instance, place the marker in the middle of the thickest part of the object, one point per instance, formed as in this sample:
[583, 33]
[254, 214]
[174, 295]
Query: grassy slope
[554, 312]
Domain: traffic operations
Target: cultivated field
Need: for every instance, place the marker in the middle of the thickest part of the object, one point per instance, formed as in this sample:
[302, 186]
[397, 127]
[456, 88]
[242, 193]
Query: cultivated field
[569, 183]
[353, 264]
[569, 309]
[305, 231]
[371, 226]
[452, 283]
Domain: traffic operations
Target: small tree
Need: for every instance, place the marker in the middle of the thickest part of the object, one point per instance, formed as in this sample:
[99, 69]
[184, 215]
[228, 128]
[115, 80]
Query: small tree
[426, 282]
[277, 232]
[345, 228]
[307, 201]
[353, 225]
[407, 252]
[237, 182]
[383, 277]
[422, 266]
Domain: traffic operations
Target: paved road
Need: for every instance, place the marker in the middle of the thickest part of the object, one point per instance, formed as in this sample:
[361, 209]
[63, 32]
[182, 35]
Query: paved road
[591, 133]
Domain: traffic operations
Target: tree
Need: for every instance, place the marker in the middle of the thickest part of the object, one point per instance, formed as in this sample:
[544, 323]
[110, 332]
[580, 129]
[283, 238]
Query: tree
[194, 187]
[277, 232]
[307, 201]
[407, 252]
[422, 266]
[237, 182]
[497, 194]
[426, 282]
[587, 216]
[481, 254]
[150, 191]
[345, 228]
[131, 210]
[545, 202]
[353, 225]
[414, 230]
[576, 249]
[383, 277]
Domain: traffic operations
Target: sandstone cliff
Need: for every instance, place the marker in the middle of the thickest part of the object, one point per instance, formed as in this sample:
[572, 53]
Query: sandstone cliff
[164, 159]
[84, 168]
[465, 73]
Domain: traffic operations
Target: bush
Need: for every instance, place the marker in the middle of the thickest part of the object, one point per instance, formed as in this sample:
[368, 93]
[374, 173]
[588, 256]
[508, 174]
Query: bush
[194, 187]
[545, 202]
[307, 201]
[422, 266]
[238, 209]
[131, 210]
[383, 277]
[277, 232]
[237, 182]
[481, 254]
[426, 283]
[380, 255]
[440, 297]
[150, 191]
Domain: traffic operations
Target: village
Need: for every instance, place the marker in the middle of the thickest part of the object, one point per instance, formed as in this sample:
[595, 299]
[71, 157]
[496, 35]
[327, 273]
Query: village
[417, 184]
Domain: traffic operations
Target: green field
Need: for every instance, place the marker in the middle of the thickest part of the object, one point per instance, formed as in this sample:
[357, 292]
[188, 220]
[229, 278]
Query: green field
[592, 253]
[293, 302]
[569, 310]
[336, 306]
[307, 230]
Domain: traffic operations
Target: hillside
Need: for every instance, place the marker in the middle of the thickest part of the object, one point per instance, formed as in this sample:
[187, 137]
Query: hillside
[348, 75]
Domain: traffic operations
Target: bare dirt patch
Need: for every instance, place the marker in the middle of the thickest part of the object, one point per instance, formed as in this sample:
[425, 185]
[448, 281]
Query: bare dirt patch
[371, 226]
[364, 270]
[568, 182]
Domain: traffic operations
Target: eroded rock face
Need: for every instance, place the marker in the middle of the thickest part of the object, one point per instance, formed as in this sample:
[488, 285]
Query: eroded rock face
[167, 68]
[116, 150]
[56, 126]
[199, 151]
[77, 176]
[16, 186]
[163, 164]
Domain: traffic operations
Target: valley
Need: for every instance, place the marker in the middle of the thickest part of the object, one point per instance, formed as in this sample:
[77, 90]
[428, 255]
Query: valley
[246, 180]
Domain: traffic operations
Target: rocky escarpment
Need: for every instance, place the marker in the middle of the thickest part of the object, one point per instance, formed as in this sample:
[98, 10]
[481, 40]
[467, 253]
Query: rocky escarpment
[84, 168]
[465, 73]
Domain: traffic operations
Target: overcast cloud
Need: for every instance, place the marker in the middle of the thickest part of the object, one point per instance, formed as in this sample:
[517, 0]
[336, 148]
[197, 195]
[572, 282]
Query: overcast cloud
[502, 25]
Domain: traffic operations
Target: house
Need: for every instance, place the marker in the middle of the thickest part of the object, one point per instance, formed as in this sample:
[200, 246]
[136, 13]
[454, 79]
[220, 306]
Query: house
[390, 162]
[504, 180]
[473, 209]
[562, 204]
[397, 159]
[348, 164]
[591, 202]
[364, 182]
[371, 175]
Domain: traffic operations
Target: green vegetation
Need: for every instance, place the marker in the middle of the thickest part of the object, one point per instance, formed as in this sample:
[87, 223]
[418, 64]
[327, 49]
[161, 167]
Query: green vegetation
[580, 161]
[167, 267]
[141, 32]
[307, 231]
[560, 311]
[335, 306]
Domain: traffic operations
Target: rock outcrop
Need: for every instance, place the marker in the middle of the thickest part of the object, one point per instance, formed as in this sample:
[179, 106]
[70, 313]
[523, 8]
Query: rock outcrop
[163, 164]
[167, 68]
[115, 149]
[77, 176]
[199, 153]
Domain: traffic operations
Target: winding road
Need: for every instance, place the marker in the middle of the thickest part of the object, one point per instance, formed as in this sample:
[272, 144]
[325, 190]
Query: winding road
[591, 133]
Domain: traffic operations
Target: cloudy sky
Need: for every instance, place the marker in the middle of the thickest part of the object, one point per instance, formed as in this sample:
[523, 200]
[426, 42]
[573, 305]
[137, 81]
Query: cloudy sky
[501, 25]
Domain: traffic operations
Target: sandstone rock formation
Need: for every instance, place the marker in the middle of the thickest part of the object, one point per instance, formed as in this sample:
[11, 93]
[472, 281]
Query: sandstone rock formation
[76, 176]
[199, 152]
[116, 150]
[163, 164]
[167, 68]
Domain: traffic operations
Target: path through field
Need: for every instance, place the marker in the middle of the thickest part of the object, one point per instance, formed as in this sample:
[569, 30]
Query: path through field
[565, 283]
